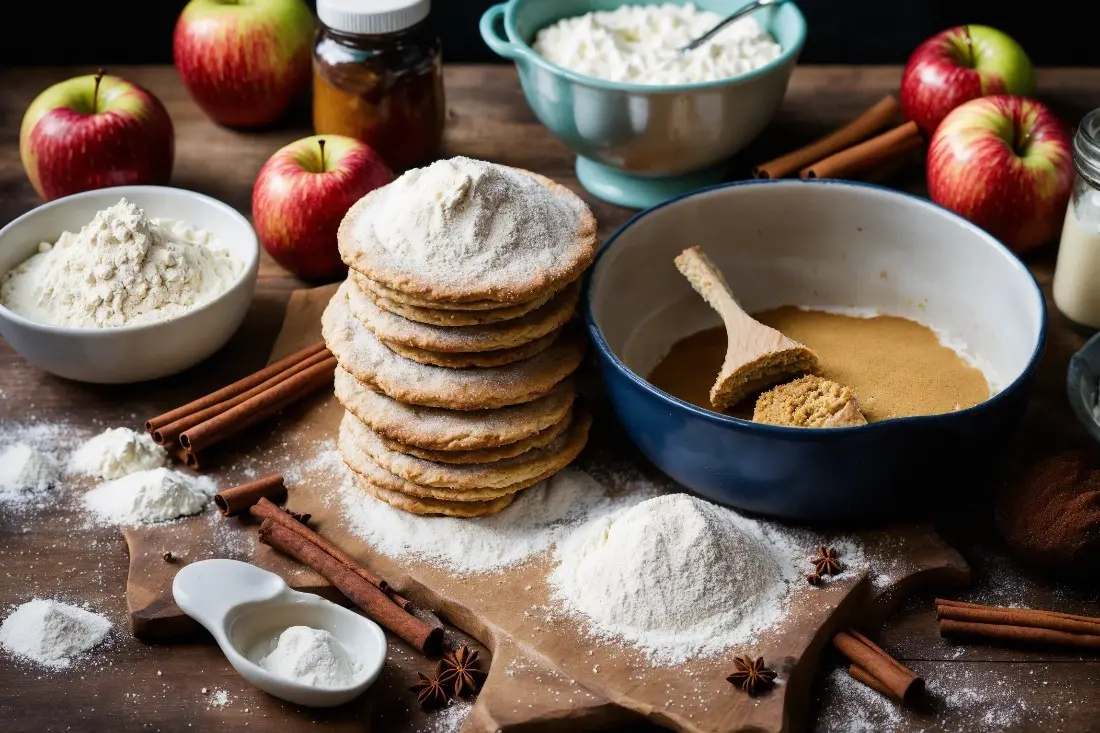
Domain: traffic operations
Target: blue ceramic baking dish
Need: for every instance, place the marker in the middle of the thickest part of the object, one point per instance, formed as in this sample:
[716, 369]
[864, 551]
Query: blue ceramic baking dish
[825, 244]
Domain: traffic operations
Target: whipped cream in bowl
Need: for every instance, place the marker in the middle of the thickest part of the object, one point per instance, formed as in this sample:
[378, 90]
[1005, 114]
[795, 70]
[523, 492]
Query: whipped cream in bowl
[125, 284]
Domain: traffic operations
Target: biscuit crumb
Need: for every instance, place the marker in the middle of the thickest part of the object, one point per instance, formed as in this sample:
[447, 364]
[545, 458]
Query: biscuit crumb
[809, 402]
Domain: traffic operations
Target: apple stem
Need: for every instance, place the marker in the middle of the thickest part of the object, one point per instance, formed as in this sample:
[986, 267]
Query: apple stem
[969, 46]
[95, 91]
[321, 144]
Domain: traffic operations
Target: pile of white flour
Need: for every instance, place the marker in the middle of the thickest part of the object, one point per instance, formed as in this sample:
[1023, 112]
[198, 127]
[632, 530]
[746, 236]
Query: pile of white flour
[155, 495]
[117, 452]
[675, 576]
[26, 474]
[312, 657]
[51, 633]
[119, 270]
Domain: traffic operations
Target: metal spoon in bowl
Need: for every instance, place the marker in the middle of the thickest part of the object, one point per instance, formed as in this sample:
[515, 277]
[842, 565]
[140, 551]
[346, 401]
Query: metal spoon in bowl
[737, 14]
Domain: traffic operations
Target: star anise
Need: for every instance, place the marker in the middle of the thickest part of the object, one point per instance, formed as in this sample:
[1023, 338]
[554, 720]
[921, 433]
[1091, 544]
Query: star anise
[429, 692]
[460, 672]
[813, 579]
[826, 563]
[750, 674]
[299, 516]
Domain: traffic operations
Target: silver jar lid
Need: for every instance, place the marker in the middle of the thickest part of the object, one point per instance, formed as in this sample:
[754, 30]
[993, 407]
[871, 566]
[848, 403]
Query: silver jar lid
[1086, 148]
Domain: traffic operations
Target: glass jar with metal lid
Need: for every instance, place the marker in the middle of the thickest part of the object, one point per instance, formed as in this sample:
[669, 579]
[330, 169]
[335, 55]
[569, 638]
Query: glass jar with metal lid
[378, 77]
[1077, 273]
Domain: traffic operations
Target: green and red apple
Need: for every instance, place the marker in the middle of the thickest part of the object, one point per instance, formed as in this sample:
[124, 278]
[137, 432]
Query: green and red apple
[93, 132]
[244, 61]
[960, 64]
[1005, 163]
[301, 195]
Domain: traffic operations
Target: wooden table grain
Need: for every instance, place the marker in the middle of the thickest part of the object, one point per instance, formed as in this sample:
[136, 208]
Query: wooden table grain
[134, 687]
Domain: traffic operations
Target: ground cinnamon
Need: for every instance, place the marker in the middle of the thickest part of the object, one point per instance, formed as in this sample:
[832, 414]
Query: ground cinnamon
[1049, 514]
[896, 678]
[170, 432]
[264, 509]
[240, 499]
[869, 155]
[234, 389]
[427, 639]
[256, 408]
[870, 121]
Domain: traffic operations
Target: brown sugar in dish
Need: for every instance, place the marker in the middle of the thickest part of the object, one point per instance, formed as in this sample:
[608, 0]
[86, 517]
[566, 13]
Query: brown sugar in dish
[809, 402]
[895, 367]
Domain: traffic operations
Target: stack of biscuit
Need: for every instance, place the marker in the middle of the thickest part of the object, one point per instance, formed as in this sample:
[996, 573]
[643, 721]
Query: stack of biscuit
[455, 336]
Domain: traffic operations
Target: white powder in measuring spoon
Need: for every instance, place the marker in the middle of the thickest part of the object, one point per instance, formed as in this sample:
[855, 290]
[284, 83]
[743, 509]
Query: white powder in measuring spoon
[156, 495]
[117, 452]
[121, 269]
[676, 576]
[26, 474]
[312, 657]
[51, 633]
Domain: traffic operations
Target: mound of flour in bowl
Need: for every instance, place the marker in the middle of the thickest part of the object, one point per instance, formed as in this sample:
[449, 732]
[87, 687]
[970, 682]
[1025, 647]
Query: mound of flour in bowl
[117, 452]
[676, 576]
[156, 495]
[51, 633]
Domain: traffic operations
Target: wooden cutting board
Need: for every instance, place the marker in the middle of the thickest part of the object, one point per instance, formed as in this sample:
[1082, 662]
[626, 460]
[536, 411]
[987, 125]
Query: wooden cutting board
[545, 672]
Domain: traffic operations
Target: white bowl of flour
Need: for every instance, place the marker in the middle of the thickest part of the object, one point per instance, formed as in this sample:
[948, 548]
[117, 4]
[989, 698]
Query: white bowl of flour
[125, 284]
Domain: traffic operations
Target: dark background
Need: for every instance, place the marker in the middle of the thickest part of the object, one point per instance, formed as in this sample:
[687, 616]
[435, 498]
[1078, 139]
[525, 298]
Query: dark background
[1054, 32]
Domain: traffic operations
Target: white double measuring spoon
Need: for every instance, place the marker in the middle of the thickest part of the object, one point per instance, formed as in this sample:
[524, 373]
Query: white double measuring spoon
[246, 609]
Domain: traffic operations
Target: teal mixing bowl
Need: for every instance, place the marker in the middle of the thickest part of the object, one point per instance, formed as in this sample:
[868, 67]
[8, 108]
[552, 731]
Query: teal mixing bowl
[638, 144]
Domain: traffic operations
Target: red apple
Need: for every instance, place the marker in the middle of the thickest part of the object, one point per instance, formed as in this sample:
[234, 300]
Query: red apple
[244, 61]
[94, 132]
[1006, 164]
[958, 65]
[302, 193]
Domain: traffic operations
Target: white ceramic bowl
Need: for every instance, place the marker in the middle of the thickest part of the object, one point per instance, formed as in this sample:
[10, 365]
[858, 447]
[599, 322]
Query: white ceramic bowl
[130, 353]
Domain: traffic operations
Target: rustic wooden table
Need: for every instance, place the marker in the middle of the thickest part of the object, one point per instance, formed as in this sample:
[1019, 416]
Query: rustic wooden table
[139, 688]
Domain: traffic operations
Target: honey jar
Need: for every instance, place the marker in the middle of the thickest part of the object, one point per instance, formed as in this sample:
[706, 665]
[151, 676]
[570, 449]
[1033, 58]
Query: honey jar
[378, 77]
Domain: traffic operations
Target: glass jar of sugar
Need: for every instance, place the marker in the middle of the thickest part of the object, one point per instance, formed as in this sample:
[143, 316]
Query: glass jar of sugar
[1077, 272]
[378, 77]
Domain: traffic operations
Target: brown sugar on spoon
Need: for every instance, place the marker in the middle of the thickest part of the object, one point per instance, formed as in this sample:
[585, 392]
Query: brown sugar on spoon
[809, 402]
[757, 356]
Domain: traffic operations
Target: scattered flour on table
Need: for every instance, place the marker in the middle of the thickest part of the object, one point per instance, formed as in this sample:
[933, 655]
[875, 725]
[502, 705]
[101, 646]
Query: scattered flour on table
[450, 718]
[312, 657]
[121, 269]
[26, 474]
[219, 699]
[862, 710]
[536, 520]
[156, 495]
[117, 452]
[51, 633]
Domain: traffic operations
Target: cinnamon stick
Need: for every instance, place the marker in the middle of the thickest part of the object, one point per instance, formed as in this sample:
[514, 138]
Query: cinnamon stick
[868, 155]
[233, 389]
[1019, 634]
[265, 510]
[894, 676]
[1018, 617]
[239, 499]
[859, 674]
[256, 408]
[183, 455]
[967, 604]
[168, 433]
[870, 121]
[427, 639]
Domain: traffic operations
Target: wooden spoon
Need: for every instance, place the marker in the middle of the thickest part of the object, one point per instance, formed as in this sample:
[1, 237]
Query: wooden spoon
[757, 356]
